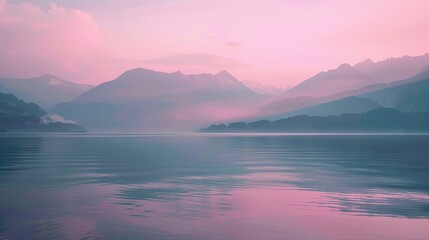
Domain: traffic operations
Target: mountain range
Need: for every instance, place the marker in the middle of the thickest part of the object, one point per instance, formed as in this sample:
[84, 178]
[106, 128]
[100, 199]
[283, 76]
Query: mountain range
[333, 81]
[264, 89]
[347, 77]
[144, 99]
[393, 69]
[46, 90]
[408, 95]
[328, 86]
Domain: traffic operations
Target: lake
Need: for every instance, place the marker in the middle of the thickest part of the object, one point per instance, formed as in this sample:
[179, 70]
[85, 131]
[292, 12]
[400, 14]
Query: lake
[215, 187]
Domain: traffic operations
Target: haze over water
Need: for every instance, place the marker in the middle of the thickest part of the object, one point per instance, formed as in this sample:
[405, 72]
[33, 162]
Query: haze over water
[56, 186]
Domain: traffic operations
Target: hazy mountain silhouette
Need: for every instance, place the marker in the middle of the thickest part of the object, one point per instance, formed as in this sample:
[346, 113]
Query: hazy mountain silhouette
[393, 69]
[287, 106]
[425, 69]
[264, 89]
[283, 106]
[333, 81]
[348, 81]
[18, 115]
[46, 90]
[350, 104]
[407, 95]
[12, 106]
[145, 99]
[143, 84]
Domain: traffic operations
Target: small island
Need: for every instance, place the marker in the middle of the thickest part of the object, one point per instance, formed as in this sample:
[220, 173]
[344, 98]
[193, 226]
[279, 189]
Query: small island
[378, 120]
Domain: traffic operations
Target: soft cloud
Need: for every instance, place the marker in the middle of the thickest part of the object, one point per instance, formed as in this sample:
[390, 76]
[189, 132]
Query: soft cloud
[388, 35]
[2, 4]
[53, 118]
[232, 44]
[284, 41]
[34, 41]
[195, 62]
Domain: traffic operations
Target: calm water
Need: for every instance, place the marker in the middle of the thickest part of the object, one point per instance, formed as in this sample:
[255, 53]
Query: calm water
[214, 187]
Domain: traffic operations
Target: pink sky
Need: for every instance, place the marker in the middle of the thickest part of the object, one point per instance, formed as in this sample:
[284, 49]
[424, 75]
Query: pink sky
[270, 41]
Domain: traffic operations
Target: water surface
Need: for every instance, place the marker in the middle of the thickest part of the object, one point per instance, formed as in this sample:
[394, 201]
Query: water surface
[223, 187]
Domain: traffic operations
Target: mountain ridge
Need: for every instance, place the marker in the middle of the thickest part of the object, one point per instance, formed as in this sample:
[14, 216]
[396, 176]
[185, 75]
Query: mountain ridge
[145, 98]
[18, 115]
[325, 83]
[406, 95]
[46, 90]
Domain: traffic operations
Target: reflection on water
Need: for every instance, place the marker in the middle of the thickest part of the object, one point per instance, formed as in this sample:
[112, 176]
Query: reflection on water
[214, 187]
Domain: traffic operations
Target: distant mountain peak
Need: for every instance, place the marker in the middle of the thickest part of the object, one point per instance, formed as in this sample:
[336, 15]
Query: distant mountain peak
[50, 79]
[139, 69]
[366, 62]
[343, 78]
[393, 68]
[48, 75]
[145, 99]
[227, 77]
[342, 70]
[225, 74]
[264, 88]
[46, 90]
[404, 57]
[344, 66]
[135, 73]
